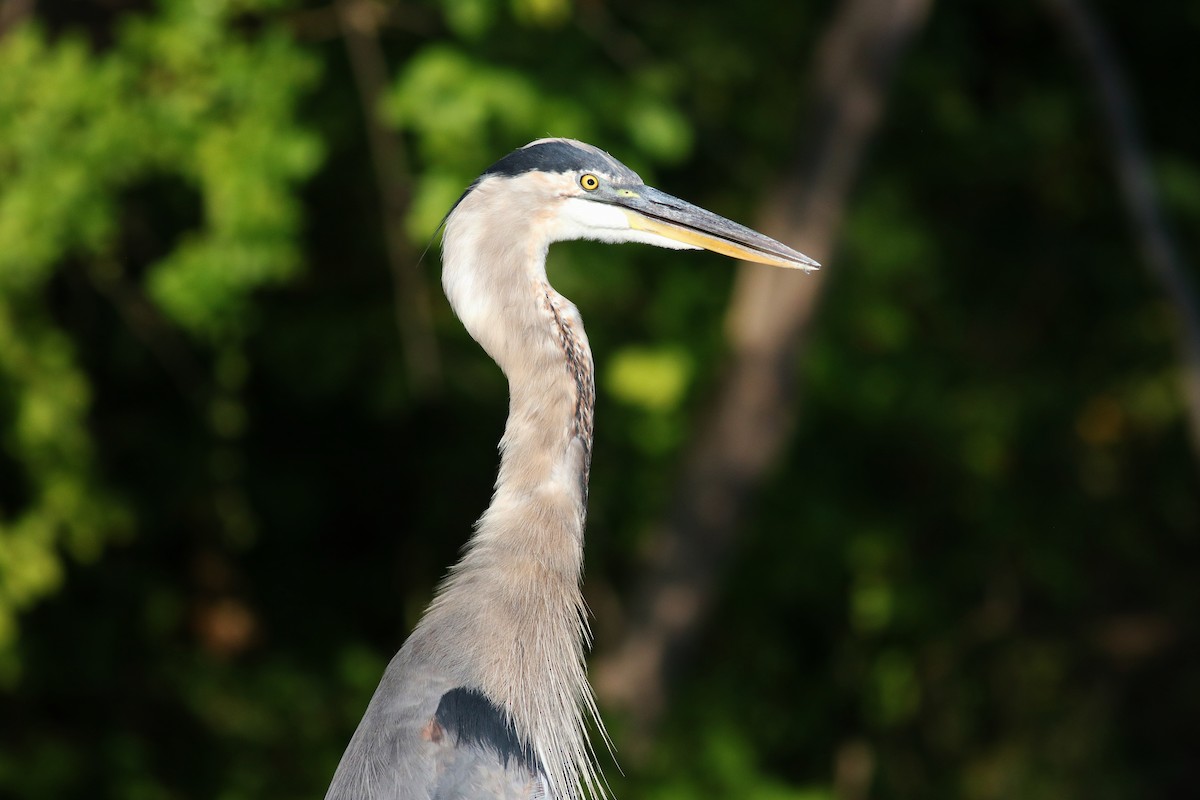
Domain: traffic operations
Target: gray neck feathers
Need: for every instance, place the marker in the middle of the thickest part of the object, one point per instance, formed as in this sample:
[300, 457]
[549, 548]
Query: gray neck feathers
[513, 603]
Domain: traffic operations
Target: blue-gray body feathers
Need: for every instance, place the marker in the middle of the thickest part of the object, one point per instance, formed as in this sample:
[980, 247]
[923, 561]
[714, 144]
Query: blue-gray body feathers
[422, 738]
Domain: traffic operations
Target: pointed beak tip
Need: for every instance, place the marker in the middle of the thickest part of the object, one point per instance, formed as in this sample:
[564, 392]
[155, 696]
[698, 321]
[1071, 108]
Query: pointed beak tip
[801, 264]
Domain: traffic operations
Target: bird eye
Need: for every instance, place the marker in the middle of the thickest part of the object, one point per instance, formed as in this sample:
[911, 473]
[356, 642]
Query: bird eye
[589, 182]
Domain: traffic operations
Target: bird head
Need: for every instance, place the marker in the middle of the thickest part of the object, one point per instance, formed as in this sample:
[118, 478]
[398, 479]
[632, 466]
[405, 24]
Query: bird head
[566, 190]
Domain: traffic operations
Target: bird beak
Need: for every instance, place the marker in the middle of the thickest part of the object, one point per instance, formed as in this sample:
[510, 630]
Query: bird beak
[657, 212]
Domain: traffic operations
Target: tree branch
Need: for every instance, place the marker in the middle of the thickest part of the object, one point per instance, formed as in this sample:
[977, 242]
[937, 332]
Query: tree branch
[360, 20]
[754, 408]
[1159, 249]
[159, 338]
[12, 12]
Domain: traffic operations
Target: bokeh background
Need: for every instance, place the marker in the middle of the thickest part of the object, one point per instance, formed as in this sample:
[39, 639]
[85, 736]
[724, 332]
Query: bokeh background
[933, 513]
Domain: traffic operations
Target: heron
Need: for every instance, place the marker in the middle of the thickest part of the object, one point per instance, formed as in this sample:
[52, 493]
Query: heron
[489, 697]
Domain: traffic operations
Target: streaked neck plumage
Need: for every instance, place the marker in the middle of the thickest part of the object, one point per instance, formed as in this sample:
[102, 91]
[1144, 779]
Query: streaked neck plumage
[514, 597]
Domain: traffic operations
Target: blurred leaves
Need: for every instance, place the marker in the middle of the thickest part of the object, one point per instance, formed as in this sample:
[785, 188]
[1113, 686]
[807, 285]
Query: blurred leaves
[652, 379]
[181, 93]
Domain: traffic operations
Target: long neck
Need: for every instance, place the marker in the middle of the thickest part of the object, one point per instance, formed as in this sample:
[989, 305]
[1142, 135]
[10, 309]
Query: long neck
[512, 605]
[534, 525]
[546, 449]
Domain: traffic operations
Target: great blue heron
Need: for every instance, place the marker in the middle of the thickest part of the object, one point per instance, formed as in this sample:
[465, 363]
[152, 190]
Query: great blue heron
[489, 696]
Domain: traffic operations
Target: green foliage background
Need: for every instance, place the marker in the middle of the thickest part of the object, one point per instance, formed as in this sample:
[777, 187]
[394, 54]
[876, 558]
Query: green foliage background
[223, 501]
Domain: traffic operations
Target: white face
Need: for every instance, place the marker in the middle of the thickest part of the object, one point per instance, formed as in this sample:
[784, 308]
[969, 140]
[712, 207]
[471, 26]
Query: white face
[580, 218]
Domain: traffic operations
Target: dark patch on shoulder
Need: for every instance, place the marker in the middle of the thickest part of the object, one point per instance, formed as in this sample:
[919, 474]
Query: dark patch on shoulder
[474, 720]
[558, 156]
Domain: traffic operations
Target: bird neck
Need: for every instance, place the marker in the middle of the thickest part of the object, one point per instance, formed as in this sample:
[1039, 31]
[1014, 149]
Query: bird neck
[513, 601]
[539, 508]
[536, 336]
[547, 444]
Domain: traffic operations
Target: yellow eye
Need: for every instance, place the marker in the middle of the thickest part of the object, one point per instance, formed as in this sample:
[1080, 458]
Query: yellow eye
[589, 182]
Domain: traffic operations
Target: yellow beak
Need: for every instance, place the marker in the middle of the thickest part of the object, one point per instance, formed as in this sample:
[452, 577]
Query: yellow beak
[657, 212]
